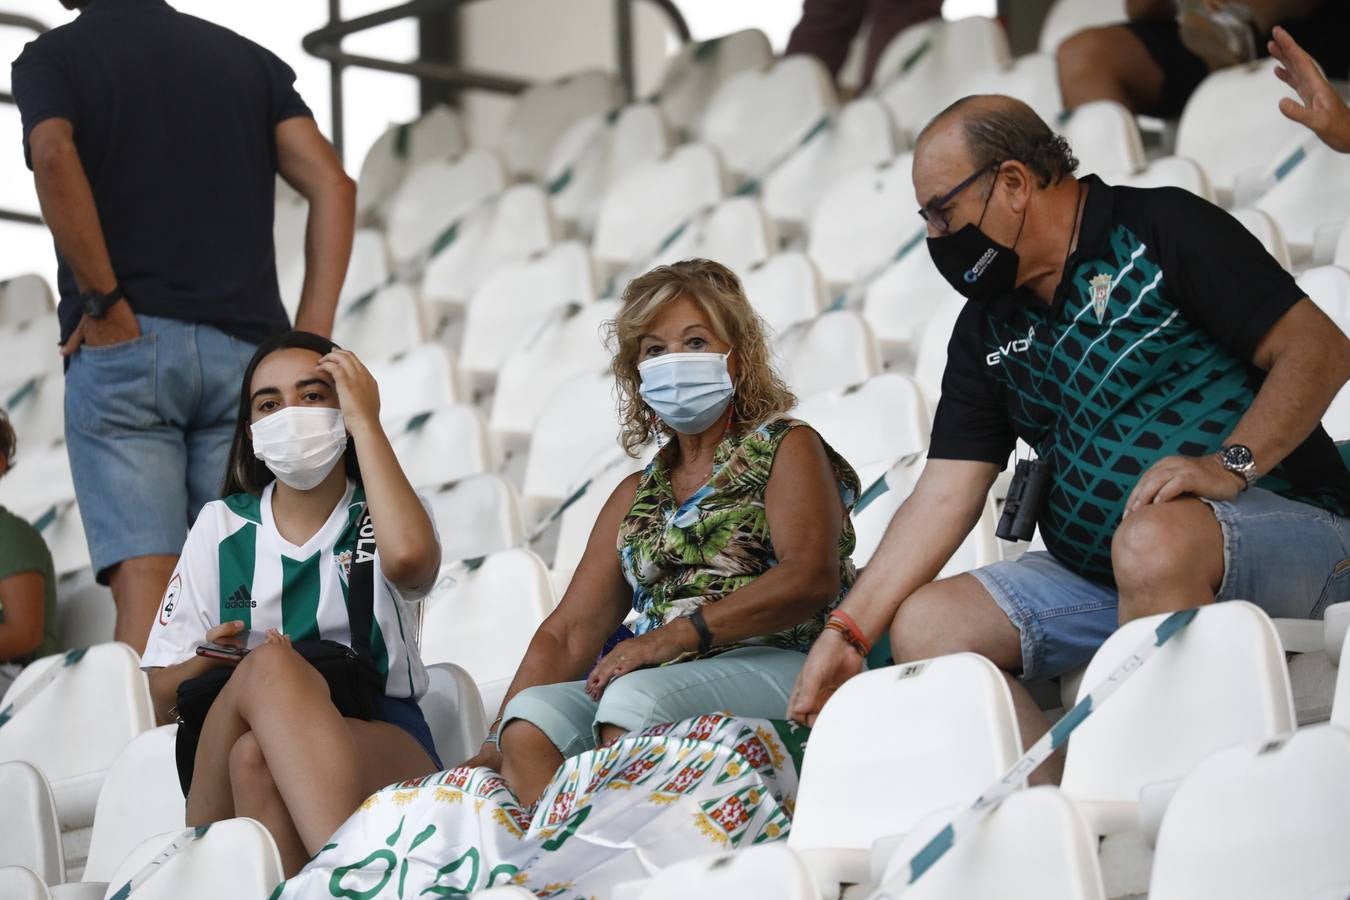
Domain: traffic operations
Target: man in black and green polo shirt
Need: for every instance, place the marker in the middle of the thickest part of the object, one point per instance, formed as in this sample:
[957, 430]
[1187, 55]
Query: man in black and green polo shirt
[1167, 370]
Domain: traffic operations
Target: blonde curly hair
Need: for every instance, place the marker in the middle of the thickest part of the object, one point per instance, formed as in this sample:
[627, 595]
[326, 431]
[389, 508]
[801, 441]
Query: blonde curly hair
[761, 392]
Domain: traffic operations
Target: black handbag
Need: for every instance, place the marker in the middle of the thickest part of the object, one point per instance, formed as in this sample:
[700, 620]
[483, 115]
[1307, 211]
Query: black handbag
[354, 683]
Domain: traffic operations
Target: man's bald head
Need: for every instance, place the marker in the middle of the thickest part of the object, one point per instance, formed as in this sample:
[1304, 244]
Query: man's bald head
[991, 129]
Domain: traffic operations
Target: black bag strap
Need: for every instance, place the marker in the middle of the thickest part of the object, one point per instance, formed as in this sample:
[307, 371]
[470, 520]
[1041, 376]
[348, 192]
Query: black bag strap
[361, 585]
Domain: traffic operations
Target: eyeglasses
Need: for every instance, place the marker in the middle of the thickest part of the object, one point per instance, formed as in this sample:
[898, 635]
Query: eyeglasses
[934, 214]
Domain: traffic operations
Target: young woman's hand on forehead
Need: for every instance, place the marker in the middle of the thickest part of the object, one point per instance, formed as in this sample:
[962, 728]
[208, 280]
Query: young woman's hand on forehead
[358, 394]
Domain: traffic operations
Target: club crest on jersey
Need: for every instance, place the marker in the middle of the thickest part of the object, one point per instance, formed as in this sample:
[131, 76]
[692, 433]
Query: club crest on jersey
[344, 564]
[1101, 293]
[170, 600]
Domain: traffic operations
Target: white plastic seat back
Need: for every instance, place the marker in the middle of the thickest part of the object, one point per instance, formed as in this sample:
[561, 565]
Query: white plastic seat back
[921, 736]
[1267, 231]
[437, 135]
[859, 135]
[1260, 820]
[1171, 171]
[694, 74]
[74, 729]
[30, 834]
[646, 205]
[758, 117]
[1341, 255]
[570, 344]
[62, 529]
[595, 152]
[1311, 190]
[515, 300]
[577, 432]
[578, 520]
[29, 349]
[1034, 845]
[875, 422]
[476, 516]
[919, 84]
[1066, 17]
[543, 114]
[1222, 681]
[1225, 144]
[858, 225]
[766, 870]
[421, 378]
[1340, 706]
[1329, 288]
[736, 232]
[437, 194]
[785, 289]
[45, 485]
[1033, 79]
[36, 409]
[517, 225]
[140, 798]
[442, 445]
[835, 350]
[22, 883]
[901, 300]
[235, 858]
[85, 612]
[368, 268]
[383, 324]
[1105, 138]
[25, 297]
[485, 619]
[454, 713]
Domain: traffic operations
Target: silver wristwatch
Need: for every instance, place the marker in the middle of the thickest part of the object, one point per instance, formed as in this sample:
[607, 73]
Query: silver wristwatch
[1238, 458]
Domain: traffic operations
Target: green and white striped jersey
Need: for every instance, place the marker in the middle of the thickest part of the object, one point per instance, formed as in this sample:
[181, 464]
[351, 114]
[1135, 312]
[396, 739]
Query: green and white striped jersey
[237, 566]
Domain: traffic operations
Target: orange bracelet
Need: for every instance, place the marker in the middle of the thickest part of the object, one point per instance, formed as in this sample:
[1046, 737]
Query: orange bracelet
[851, 629]
[842, 630]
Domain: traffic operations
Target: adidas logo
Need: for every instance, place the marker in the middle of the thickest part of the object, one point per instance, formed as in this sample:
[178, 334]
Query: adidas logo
[241, 599]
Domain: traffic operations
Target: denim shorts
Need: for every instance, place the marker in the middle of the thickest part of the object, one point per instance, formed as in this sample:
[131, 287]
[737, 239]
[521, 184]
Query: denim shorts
[1289, 558]
[406, 714]
[148, 429]
[750, 681]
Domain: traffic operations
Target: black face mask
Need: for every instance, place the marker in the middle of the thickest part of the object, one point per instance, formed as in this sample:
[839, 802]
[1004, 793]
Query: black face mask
[976, 265]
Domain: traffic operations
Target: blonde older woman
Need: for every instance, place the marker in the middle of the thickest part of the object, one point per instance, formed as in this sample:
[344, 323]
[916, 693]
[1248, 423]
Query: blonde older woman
[732, 546]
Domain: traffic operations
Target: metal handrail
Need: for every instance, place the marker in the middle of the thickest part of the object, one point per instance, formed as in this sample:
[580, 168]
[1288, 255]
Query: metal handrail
[326, 44]
[17, 21]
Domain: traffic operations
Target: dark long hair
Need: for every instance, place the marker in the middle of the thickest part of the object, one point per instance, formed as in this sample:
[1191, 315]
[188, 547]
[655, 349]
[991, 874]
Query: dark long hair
[245, 473]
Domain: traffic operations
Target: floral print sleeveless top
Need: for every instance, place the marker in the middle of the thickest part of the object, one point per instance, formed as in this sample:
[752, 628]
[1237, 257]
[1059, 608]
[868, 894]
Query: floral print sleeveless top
[678, 557]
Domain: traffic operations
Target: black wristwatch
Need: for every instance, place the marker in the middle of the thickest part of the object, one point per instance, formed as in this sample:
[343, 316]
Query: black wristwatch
[705, 635]
[1238, 459]
[95, 305]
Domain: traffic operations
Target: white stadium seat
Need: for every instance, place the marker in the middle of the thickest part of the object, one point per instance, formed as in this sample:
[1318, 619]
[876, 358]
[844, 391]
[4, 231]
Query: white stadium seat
[25, 297]
[858, 135]
[1267, 231]
[1261, 820]
[697, 70]
[29, 349]
[85, 612]
[1105, 137]
[948, 731]
[1171, 171]
[899, 302]
[835, 350]
[21, 883]
[1035, 844]
[41, 482]
[736, 232]
[476, 516]
[861, 223]
[454, 713]
[483, 618]
[542, 115]
[420, 378]
[36, 409]
[577, 431]
[1220, 682]
[437, 135]
[1342, 252]
[757, 118]
[577, 521]
[515, 301]
[1033, 79]
[785, 289]
[875, 422]
[1329, 288]
[385, 323]
[436, 195]
[30, 834]
[1311, 191]
[595, 152]
[645, 206]
[442, 445]
[765, 870]
[570, 344]
[62, 528]
[234, 858]
[516, 225]
[140, 798]
[368, 268]
[1067, 17]
[74, 729]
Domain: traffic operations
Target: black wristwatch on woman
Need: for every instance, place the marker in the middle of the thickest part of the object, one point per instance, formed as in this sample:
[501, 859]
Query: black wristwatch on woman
[705, 635]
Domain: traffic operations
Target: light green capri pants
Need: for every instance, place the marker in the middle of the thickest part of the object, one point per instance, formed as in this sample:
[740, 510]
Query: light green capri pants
[749, 681]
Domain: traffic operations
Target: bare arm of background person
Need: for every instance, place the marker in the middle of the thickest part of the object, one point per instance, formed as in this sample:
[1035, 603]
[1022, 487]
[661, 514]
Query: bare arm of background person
[308, 163]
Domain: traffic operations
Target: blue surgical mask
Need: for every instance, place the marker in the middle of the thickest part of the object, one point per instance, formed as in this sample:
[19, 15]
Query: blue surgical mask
[689, 391]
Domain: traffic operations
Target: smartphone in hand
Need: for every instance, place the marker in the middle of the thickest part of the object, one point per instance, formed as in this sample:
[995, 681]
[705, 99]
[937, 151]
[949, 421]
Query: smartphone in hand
[232, 649]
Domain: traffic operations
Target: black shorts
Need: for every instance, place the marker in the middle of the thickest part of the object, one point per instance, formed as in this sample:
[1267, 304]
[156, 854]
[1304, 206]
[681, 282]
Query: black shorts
[1182, 70]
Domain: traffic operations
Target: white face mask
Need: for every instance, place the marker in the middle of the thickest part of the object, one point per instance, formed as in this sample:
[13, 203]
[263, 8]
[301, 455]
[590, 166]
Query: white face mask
[300, 444]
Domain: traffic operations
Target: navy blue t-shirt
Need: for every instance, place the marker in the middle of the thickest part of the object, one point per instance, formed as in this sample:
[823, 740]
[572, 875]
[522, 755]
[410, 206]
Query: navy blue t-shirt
[175, 122]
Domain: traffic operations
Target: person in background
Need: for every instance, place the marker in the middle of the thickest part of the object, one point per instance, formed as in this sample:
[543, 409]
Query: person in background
[155, 140]
[27, 583]
[828, 27]
[732, 546]
[1319, 107]
[1152, 63]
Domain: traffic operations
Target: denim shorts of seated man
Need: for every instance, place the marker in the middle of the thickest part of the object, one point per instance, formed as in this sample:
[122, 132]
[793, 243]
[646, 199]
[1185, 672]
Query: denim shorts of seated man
[1168, 372]
[732, 546]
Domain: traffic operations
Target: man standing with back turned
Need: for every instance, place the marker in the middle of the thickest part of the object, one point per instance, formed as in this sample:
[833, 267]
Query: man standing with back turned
[155, 139]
